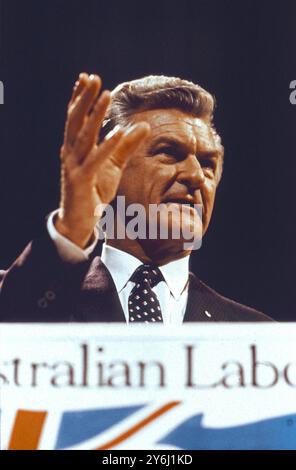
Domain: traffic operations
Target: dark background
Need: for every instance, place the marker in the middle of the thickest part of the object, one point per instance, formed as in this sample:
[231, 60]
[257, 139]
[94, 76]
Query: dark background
[241, 51]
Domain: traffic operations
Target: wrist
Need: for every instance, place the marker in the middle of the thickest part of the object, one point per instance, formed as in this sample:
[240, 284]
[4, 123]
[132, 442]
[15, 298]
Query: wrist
[82, 236]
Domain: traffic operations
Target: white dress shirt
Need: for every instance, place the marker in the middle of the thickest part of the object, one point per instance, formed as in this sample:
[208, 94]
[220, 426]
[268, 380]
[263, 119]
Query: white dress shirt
[172, 293]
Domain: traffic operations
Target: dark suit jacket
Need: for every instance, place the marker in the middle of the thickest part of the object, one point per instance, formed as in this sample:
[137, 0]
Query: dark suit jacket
[40, 287]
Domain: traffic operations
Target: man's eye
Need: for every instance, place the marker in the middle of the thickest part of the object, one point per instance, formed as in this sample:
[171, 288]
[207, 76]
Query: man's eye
[208, 164]
[167, 150]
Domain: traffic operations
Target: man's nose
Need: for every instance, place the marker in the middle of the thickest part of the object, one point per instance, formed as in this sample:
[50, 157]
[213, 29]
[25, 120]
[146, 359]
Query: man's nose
[191, 173]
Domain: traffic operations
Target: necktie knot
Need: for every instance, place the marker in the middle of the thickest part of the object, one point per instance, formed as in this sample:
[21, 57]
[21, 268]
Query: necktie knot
[148, 274]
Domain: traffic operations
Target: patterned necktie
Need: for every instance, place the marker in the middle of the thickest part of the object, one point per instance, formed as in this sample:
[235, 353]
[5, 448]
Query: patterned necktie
[143, 304]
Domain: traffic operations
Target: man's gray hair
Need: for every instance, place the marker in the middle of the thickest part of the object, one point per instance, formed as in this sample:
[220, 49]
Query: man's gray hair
[156, 92]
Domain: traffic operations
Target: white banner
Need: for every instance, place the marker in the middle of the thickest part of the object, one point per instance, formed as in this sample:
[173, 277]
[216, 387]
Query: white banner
[103, 386]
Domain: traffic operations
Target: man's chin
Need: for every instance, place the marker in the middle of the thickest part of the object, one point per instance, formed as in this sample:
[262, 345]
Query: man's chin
[164, 251]
[184, 223]
[177, 239]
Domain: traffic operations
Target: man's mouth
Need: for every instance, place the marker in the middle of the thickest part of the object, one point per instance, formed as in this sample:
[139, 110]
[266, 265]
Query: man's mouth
[186, 201]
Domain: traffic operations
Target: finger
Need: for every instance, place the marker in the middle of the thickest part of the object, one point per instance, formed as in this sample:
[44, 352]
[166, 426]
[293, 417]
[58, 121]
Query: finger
[117, 147]
[81, 106]
[103, 151]
[132, 139]
[78, 87]
[88, 136]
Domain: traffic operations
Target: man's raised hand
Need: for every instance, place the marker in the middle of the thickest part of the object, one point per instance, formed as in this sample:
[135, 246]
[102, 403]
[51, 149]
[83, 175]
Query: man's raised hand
[91, 171]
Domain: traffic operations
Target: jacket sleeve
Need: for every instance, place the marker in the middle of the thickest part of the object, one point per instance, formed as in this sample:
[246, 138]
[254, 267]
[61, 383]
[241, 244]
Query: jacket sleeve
[40, 286]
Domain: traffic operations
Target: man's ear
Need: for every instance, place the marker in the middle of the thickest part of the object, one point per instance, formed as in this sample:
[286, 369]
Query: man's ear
[220, 168]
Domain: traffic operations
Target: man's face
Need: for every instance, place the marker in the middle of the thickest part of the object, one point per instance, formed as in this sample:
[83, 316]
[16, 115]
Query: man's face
[179, 163]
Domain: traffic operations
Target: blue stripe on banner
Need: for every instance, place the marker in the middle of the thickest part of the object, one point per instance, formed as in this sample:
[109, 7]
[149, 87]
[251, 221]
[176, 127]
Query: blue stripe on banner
[78, 426]
[270, 434]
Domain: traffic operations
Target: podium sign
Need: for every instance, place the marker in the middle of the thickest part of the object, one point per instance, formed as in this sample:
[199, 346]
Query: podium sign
[103, 386]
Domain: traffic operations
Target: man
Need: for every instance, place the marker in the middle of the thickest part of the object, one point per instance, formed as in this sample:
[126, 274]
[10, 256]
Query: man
[158, 147]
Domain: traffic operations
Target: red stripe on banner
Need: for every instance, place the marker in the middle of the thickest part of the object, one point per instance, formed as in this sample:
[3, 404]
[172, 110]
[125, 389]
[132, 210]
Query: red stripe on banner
[137, 427]
[27, 430]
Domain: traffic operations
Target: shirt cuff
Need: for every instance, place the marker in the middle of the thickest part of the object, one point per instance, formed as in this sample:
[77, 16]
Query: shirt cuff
[67, 250]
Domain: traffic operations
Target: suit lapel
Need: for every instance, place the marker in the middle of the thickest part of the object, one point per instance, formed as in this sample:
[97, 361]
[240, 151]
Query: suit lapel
[99, 301]
[199, 305]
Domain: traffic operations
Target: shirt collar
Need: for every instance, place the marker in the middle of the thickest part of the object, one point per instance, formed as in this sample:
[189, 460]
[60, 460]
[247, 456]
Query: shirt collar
[122, 265]
[175, 275]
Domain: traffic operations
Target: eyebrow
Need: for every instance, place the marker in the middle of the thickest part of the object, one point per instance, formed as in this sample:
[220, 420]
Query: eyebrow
[175, 142]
